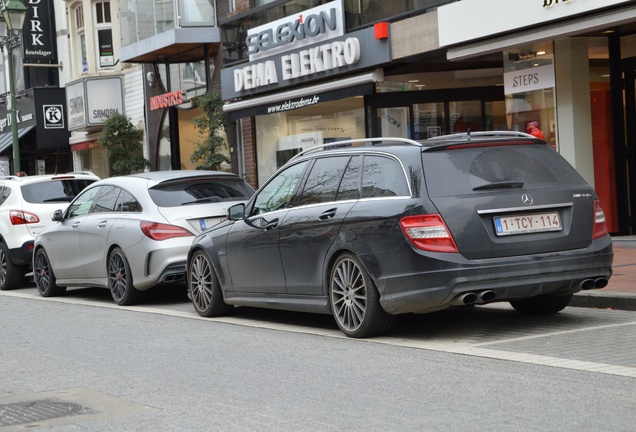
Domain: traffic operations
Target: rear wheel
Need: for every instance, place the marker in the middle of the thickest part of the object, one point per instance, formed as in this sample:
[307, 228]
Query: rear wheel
[204, 287]
[355, 301]
[43, 276]
[10, 274]
[542, 305]
[120, 280]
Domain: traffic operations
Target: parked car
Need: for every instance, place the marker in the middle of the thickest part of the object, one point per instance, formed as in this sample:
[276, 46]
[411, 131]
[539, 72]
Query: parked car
[26, 205]
[132, 232]
[373, 228]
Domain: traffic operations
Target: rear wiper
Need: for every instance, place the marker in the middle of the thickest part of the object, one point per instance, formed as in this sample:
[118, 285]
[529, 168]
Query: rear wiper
[64, 198]
[199, 200]
[500, 185]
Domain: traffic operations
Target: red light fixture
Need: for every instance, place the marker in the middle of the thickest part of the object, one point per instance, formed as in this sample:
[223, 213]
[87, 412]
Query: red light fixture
[381, 30]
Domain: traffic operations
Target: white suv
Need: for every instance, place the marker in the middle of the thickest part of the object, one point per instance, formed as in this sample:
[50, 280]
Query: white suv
[26, 205]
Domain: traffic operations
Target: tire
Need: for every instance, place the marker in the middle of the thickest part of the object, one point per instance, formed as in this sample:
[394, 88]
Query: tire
[204, 287]
[43, 276]
[10, 274]
[542, 305]
[355, 301]
[120, 280]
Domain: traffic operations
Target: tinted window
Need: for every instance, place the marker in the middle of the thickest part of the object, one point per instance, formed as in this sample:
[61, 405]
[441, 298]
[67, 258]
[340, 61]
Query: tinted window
[183, 192]
[460, 171]
[279, 191]
[53, 191]
[382, 177]
[127, 203]
[105, 201]
[83, 203]
[4, 194]
[350, 184]
[323, 180]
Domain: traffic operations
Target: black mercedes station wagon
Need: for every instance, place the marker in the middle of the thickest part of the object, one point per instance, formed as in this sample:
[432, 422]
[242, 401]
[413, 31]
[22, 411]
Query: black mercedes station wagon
[370, 229]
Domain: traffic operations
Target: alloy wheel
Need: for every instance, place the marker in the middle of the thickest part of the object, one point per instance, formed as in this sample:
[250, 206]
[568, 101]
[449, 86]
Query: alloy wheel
[201, 282]
[349, 295]
[117, 277]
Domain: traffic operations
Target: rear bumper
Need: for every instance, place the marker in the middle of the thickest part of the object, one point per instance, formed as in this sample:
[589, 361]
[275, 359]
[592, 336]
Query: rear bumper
[23, 255]
[420, 283]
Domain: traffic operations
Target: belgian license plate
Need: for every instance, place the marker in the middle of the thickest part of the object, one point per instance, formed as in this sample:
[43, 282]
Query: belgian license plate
[524, 224]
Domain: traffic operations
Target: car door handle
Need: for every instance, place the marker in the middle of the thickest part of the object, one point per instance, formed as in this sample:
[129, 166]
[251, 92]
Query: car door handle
[75, 225]
[328, 214]
[271, 224]
[102, 224]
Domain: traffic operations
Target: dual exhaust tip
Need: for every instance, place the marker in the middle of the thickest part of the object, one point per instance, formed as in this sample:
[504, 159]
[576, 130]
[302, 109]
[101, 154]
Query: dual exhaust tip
[589, 284]
[487, 296]
[469, 298]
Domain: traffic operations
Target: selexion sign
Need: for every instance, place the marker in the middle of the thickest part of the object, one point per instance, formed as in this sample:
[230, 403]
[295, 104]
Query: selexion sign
[302, 48]
[311, 26]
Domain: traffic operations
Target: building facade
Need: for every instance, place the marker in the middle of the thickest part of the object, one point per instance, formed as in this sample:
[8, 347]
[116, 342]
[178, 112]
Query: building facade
[300, 73]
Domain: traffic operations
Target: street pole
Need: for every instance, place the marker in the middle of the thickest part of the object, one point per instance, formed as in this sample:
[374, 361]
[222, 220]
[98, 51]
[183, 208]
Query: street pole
[14, 117]
[13, 15]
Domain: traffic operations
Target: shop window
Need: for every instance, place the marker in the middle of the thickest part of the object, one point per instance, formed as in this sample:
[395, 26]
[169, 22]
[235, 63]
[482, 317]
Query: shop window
[529, 82]
[80, 41]
[104, 35]
[429, 120]
[165, 153]
[282, 135]
[465, 116]
[196, 13]
[394, 122]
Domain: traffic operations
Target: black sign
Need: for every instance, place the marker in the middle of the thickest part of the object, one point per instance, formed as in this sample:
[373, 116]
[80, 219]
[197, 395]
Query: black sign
[105, 40]
[38, 34]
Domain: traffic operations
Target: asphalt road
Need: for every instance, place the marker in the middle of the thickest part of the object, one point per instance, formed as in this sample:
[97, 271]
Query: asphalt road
[159, 367]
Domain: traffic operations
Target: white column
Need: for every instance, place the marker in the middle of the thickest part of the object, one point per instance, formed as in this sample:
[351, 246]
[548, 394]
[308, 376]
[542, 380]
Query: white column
[574, 126]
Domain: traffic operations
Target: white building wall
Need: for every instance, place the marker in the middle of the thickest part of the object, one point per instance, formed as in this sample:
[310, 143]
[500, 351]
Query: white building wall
[63, 47]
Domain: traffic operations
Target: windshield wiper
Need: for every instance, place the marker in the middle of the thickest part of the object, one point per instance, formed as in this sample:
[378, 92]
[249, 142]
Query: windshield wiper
[500, 185]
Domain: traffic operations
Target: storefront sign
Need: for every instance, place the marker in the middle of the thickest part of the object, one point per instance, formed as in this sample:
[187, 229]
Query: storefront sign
[105, 40]
[166, 100]
[550, 3]
[525, 80]
[92, 100]
[351, 52]
[53, 116]
[104, 97]
[464, 20]
[311, 26]
[75, 101]
[38, 32]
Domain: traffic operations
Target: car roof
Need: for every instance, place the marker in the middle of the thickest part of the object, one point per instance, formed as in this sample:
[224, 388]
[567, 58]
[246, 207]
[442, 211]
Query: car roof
[161, 176]
[395, 143]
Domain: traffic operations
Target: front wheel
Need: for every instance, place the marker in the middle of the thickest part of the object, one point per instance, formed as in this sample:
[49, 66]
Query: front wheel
[542, 305]
[204, 287]
[43, 275]
[355, 301]
[120, 280]
[10, 274]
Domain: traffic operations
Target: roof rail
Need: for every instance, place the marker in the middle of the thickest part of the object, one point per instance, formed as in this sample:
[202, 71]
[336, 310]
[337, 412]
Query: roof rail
[482, 134]
[365, 141]
[10, 177]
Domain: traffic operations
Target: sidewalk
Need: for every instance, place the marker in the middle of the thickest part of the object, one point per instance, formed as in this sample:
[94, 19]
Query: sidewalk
[620, 293]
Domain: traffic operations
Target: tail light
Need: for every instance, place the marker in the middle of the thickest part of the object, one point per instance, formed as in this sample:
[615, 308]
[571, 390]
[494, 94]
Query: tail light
[159, 231]
[18, 217]
[600, 227]
[429, 233]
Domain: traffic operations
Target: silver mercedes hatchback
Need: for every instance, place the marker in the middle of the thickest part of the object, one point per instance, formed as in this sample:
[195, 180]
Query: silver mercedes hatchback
[132, 232]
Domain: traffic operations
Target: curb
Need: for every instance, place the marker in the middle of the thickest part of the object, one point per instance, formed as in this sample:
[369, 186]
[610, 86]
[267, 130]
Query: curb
[605, 300]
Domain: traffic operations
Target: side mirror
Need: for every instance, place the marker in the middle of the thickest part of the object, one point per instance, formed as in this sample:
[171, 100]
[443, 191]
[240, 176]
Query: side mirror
[236, 212]
[57, 216]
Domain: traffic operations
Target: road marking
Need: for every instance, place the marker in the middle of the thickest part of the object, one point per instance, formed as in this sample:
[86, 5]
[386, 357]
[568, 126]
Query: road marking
[453, 346]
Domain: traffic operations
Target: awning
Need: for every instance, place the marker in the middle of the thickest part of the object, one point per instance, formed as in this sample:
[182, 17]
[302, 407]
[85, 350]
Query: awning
[6, 140]
[306, 96]
[598, 21]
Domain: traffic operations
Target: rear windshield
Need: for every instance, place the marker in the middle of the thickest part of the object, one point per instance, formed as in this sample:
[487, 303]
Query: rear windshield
[53, 191]
[475, 170]
[175, 194]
